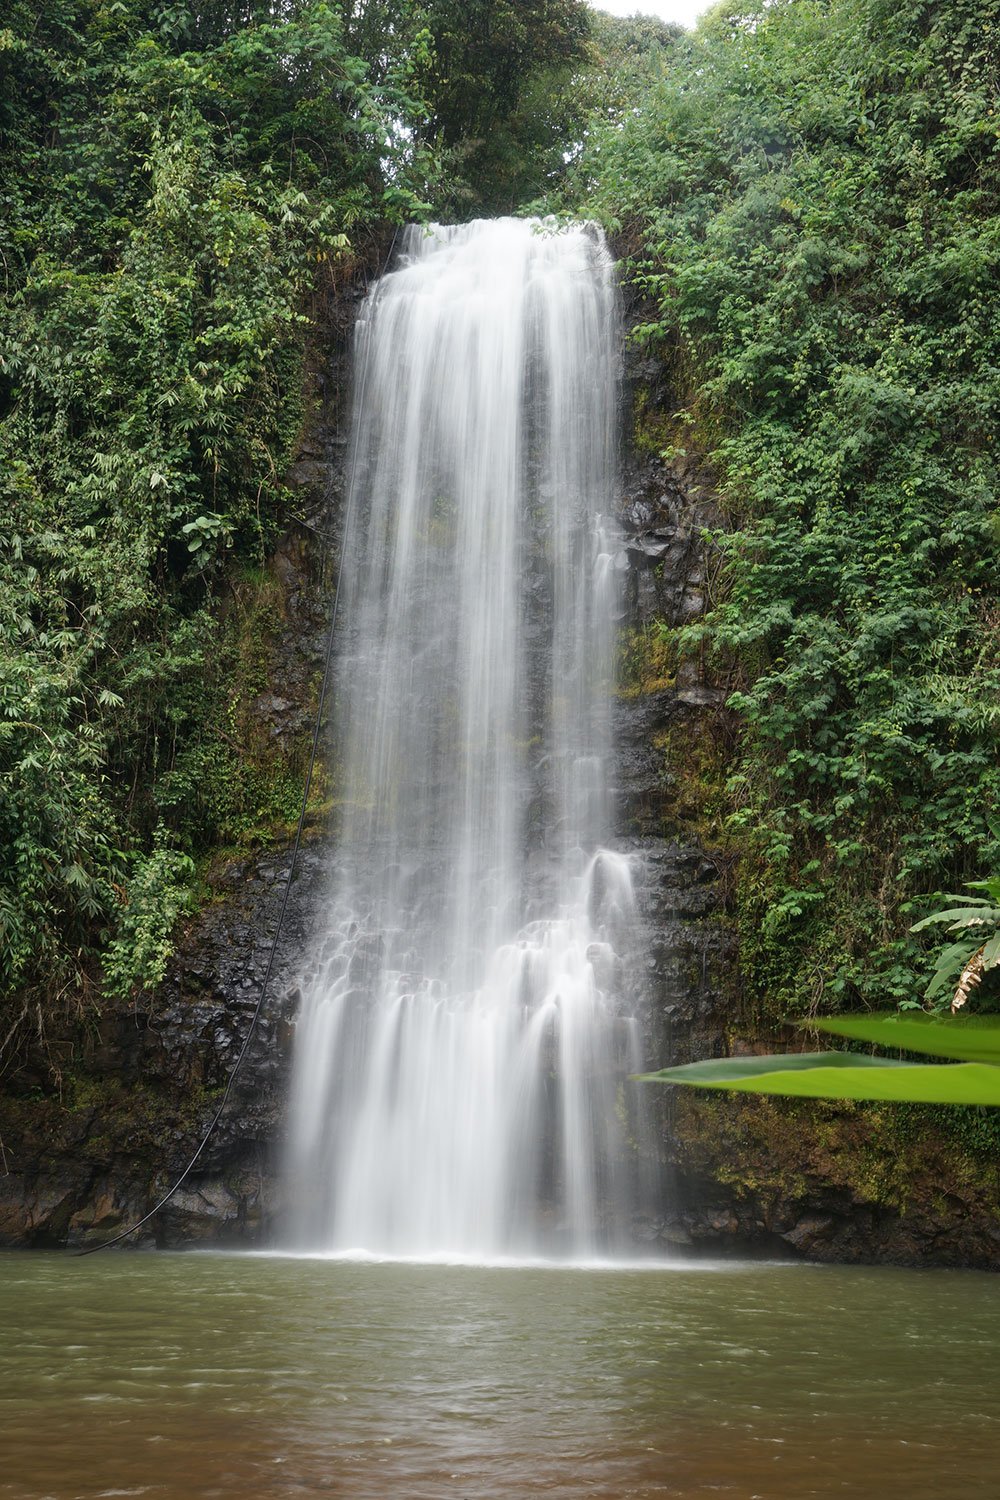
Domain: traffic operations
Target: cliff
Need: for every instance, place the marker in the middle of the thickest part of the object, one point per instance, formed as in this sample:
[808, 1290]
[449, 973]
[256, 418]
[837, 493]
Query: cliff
[97, 1121]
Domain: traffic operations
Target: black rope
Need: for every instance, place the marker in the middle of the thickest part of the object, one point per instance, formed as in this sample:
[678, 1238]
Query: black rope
[296, 843]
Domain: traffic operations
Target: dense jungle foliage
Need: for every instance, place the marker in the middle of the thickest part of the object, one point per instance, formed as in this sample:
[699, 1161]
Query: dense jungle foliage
[812, 192]
[178, 182]
[809, 195]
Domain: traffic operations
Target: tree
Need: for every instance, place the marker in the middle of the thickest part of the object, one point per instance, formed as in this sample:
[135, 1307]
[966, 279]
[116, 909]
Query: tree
[174, 182]
[812, 192]
[495, 78]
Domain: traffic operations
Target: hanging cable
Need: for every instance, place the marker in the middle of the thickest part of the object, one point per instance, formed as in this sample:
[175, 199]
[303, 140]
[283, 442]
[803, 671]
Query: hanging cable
[296, 842]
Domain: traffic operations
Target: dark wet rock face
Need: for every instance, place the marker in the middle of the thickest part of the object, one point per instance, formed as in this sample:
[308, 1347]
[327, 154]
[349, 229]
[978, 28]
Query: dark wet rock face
[801, 1178]
[155, 1071]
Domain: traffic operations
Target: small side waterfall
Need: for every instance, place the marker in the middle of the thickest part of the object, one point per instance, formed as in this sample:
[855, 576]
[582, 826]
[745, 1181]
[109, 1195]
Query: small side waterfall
[461, 1051]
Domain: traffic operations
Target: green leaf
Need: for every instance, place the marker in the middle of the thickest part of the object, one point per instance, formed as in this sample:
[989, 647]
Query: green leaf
[951, 959]
[991, 952]
[728, 1070]
[979, 916]
[942, 978]
[971, 1038]
[838, 1075]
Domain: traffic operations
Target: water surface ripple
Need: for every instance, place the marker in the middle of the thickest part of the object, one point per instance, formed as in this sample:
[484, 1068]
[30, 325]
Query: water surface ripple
[209, 1375]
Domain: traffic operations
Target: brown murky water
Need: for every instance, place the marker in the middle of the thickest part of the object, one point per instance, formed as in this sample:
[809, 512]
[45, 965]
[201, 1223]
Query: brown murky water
[175, 1376]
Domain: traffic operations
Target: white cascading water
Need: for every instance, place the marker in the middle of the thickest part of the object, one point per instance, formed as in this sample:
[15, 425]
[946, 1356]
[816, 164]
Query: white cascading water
[460, 1055]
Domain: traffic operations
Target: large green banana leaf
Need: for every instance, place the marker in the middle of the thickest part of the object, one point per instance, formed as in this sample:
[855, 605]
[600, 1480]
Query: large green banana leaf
[840, 1075]
[971, 1038]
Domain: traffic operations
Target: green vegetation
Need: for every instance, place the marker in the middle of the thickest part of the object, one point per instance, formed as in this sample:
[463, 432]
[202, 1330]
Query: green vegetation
[962, 965]
[498, 80]
[172, 185]
[916, 1160]
[810, 193]
[647, 659]
[844, 1075]
[807, 197]
[180, 187]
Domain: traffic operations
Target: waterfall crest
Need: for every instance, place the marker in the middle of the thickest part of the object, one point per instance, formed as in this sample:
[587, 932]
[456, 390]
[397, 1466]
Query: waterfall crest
[462, 1043]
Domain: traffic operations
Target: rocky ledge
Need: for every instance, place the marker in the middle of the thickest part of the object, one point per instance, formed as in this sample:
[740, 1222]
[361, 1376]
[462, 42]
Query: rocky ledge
[145, 1079]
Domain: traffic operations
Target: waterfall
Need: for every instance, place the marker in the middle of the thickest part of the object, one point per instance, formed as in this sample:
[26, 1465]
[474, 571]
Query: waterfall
[464, 1037]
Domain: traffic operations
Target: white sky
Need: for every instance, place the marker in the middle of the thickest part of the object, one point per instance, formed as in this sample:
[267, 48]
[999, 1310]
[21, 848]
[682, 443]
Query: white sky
[684, 12]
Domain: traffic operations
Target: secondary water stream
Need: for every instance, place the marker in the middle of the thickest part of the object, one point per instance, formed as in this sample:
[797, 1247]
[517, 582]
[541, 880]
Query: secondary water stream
[250, 1378]
[471, 1020]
